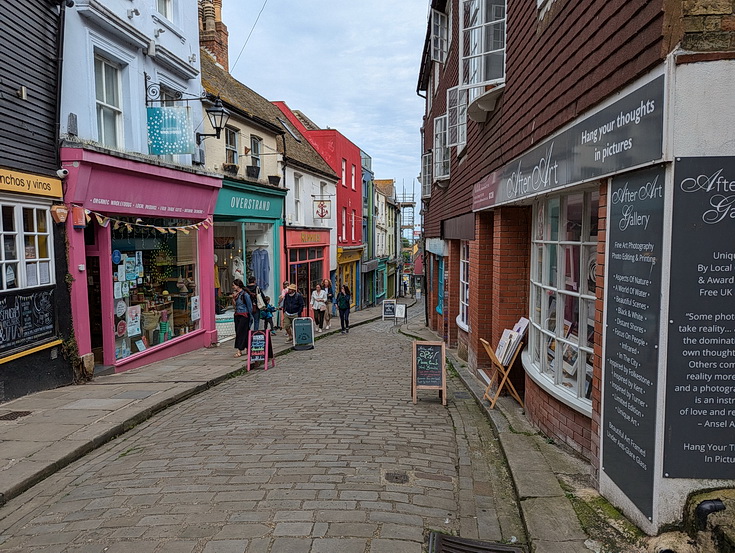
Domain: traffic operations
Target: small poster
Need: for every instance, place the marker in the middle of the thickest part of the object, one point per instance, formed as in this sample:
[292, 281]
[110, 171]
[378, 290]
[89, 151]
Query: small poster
[140, 344]
[9, 276]
[44, 271]
[120, 307]
[125, 289]
[121, 272]
[117, 290]
[133, 320]
[196, 313]
[31, 277]
[116, 256]
[131, 271]
[139, 264]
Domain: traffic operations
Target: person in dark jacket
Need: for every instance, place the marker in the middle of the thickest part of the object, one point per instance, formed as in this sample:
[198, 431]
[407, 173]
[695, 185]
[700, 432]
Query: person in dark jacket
[253, 290]
[293, 305]
[344, 299]
[243, 313]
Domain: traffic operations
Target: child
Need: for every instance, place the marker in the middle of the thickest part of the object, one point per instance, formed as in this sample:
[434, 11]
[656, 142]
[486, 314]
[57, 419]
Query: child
[267, 315]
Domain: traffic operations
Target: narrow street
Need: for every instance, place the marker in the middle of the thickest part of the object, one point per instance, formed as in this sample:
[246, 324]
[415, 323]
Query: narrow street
[323, 453]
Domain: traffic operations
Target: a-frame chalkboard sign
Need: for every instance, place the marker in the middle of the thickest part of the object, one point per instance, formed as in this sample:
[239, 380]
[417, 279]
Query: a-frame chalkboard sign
[428, 371]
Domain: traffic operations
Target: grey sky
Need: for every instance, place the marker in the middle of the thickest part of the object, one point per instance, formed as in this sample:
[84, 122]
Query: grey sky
[347, 64]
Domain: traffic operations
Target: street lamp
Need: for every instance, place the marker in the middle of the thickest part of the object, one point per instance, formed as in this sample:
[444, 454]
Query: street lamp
[218, 117]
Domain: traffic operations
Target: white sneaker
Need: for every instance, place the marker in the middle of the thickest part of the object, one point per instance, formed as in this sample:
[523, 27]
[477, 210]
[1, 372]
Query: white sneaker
[327, 327]
[318, 329]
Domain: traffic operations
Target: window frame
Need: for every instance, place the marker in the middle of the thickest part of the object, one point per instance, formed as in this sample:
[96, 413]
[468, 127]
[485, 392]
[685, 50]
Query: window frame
[473, 37]
[344, 224]
[344, 172]
[555, 261]
[19, 239]
[232, 150]
[439, 36]
[352, 223]
[354, 172]
[102, 105]
[167, 10]
[463, 317]
[256, 150]
[297, 189]
[457, 102]
[441, 149]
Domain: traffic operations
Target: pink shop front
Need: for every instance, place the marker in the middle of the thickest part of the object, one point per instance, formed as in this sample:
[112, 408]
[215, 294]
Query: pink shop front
[140, 251]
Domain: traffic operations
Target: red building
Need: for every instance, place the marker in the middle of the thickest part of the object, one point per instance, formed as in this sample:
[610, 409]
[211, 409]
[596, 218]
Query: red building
[344, 158]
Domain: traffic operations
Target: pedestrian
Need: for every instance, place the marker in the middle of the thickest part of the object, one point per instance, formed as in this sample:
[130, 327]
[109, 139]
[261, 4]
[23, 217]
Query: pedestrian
[327, 285]
[293, 305]
[255, 292]
[284, 291]
[267, 315]
[319, 305]
[343, 304]
[243, 313]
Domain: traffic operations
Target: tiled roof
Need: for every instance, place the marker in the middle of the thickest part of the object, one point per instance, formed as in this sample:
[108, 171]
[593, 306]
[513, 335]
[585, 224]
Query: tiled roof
[298, 151]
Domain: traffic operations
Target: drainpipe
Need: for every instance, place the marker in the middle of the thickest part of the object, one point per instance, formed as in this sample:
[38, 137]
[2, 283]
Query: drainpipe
[704, 509]
[63, 4]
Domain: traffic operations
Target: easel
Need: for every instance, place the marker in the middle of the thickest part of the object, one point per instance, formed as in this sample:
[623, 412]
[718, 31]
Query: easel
[502, 370]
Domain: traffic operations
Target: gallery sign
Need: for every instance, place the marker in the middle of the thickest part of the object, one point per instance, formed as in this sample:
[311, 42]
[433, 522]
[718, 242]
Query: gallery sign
[169, 131]
[626, 134]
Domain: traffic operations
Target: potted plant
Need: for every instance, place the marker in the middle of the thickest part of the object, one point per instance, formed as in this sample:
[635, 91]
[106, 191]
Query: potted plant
[252, 171]
[275, 180]
[231, 168]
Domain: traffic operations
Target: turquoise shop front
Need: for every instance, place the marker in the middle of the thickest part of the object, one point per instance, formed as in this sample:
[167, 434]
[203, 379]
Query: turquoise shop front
[247, 226]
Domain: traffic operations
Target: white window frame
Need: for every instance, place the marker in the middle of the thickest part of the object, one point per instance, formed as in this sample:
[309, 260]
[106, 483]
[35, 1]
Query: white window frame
[232, 145]
[24, 245]
[344, 224]
[256, 149]
[439, 36]
[457, 100]
[344, 173]
[551, 344]
[352, 223]
[441, 149]
[103, 104]
[297, 189]
[165, 8]
[475, 25]
[354, 172]
[463, 318]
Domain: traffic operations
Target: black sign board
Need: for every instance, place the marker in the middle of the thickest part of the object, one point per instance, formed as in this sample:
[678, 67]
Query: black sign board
[389, 309]
[428, 369]
[699, 437]
[303, 333]
[26, 317]
[257, 346]
[633, 300]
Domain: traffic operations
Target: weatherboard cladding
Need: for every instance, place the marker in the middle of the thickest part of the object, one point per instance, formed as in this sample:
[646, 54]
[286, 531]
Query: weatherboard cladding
[557, 68]
[217, 81]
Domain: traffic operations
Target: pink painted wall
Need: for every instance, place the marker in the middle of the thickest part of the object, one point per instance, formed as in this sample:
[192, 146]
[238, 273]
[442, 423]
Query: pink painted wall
[114, 186]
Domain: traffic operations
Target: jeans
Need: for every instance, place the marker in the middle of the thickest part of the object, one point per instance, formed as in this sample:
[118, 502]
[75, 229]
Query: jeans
[344, 318]
[255, 321]
[319, 318]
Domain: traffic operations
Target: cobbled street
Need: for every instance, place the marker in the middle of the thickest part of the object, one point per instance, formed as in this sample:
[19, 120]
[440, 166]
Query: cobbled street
[324, 453]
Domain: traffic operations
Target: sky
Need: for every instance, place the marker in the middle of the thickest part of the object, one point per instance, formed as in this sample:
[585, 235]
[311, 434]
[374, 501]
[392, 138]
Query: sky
[351, 65]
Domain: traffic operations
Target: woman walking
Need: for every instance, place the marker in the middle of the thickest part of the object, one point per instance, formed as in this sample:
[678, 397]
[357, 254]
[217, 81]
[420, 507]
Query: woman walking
[319, 305]
[327, 286]
[243, 314]
[343, 304]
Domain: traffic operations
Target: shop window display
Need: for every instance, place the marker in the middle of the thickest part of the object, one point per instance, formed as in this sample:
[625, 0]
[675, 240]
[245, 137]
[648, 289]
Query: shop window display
[562, 294]
[155, 277]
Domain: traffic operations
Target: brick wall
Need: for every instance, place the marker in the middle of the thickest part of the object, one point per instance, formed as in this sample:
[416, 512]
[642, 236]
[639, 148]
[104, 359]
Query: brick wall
[481, 293]
[709, 25]
[558, 421]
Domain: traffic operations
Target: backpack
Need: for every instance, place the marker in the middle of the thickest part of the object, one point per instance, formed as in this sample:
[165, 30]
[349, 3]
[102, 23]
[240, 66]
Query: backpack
[253, 299]
[259, 299]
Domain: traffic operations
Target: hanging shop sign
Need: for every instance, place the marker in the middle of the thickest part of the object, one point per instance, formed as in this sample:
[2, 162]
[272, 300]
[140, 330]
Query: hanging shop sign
[626, 134]
[170, 131]
[24, 183]
[322, 209]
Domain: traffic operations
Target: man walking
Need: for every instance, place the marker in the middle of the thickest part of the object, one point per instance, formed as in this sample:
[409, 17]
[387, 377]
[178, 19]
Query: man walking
[293, 305]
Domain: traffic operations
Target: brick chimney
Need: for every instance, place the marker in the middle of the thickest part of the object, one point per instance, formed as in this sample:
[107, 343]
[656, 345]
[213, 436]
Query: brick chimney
[212, 32]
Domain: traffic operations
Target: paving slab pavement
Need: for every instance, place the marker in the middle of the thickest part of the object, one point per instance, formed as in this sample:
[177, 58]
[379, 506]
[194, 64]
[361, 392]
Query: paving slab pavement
[67, 423]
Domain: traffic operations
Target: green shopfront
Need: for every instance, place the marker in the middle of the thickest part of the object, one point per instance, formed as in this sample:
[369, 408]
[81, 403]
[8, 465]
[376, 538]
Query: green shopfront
[247, 223]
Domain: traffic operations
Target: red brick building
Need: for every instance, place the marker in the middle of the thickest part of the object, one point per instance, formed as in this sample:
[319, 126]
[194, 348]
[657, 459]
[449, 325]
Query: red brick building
[543, 122]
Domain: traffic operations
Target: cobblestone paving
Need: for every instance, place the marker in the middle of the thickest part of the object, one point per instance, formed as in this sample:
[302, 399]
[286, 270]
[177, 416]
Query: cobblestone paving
[325, 453]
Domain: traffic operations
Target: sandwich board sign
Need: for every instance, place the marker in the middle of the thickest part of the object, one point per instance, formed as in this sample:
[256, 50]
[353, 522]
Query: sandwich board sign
[428, 371]
[401, 316]
[303, 333]
[389, 309]
[260, 348]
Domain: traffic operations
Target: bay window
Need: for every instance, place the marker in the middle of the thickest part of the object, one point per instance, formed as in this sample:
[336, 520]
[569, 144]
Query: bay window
[563, 266]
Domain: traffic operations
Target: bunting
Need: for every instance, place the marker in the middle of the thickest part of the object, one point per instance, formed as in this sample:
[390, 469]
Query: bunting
[104, 221]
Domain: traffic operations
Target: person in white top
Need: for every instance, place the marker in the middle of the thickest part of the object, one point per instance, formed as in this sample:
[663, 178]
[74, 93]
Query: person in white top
[319, 305]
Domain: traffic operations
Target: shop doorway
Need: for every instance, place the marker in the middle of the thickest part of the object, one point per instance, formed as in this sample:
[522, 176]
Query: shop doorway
[306, 275]
[94, 302]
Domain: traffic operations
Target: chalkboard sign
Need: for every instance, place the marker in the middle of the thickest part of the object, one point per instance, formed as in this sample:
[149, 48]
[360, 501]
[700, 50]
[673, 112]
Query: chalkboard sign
[389, 309]
[428, 369]
[26, 317]
[303, 333]
[700, 375]
[259, 347]
[635, 245]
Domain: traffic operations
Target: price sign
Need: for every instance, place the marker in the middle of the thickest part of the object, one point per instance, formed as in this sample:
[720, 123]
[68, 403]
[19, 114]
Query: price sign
[428, 369]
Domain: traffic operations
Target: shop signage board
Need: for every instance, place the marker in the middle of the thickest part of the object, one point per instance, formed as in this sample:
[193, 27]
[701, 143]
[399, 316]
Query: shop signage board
[25, 183]
[633, 300]
[170, 131]
[26, 317]
[428, 369]
[236, 200]
[700, 374]
[260, 348]
[303, 333]
[625, 134]
[401, 316]
[389, 309]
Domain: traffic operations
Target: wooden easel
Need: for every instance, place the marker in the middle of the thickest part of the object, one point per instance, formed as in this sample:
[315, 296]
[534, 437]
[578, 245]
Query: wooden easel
[503, 371]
